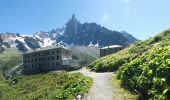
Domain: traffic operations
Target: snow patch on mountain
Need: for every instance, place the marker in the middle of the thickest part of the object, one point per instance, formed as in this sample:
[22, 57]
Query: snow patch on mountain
[97, 45]
[48, 42]
[62, 32]
[21, 39]
[27, 35]
[90, 44]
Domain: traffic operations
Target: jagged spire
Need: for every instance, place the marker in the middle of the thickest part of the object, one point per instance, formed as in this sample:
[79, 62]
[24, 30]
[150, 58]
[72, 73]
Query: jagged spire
[73, 20]
[73, 16]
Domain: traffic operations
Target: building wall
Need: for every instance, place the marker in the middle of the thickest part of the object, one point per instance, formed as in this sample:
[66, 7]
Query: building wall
[108, 51]
[44, 61]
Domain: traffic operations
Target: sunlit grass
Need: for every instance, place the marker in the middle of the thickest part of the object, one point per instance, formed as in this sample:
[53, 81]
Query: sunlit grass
[120, 93]
[51, 86]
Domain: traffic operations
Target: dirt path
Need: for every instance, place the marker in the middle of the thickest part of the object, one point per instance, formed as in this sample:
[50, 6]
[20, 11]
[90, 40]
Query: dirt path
[101, 90]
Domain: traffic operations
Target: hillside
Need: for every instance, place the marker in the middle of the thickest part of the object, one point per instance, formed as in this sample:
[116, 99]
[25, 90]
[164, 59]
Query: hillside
[56, 86]
[143, 67]
[149, 74]
[8, 59]
[114, 61]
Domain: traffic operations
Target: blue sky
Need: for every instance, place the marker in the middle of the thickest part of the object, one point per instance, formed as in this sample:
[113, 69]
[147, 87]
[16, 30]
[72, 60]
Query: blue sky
[141, 18]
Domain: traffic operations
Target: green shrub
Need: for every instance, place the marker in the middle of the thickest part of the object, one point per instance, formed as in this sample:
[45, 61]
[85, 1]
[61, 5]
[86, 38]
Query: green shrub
[148, 74]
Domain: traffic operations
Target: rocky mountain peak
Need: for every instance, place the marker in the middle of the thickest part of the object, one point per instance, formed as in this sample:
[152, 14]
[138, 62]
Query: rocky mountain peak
[73, 17]
[41, 34]
[72, 33]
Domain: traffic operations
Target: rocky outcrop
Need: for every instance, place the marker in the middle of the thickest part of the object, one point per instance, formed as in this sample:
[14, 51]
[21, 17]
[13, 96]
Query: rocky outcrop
[32, 43]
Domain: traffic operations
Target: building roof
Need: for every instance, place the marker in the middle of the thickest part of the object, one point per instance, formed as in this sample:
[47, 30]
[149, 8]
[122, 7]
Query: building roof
[112, 46]
[46, 48]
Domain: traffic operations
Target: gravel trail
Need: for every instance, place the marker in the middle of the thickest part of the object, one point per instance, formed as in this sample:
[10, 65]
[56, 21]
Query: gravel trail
[101, 89]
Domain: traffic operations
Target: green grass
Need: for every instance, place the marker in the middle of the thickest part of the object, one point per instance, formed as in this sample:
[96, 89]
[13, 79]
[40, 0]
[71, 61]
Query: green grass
[9, 52]
[120, 93]
[8, 59]
[149, 74]
[51, 86]
[115, 61]
[143, 67]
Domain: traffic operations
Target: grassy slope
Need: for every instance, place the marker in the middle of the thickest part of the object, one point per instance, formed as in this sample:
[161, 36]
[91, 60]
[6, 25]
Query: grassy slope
[144, 66]
[118, 92]
[59, 86]
[8, 59]
[114, 61]
[149, 74]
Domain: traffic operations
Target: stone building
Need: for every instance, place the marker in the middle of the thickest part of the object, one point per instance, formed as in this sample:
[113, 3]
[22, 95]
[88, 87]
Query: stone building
[110, 50]
[48, 59]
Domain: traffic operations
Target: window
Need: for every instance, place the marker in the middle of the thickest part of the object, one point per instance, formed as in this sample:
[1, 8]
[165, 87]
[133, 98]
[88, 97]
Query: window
[29, 61]
[58, 57]
[32, 66]
[28, 56]
[52, 57]
[48, 65]
[35, 59]
[39, 54]
[25, 61]
[48, 58]
[52, 52]
[57, 52]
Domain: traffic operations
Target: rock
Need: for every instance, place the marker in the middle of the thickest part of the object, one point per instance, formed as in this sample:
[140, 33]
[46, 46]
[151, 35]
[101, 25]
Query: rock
[14, 82]
[79, 97]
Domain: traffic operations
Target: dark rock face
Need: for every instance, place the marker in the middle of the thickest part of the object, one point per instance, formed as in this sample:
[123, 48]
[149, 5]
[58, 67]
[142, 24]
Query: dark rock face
[7, 45]
[1, 43]
[1, 49]
[20, 46]
[31, 42]
[84, 34]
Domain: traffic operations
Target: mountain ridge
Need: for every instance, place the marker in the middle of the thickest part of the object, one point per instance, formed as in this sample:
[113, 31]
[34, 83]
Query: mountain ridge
[73, 32]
